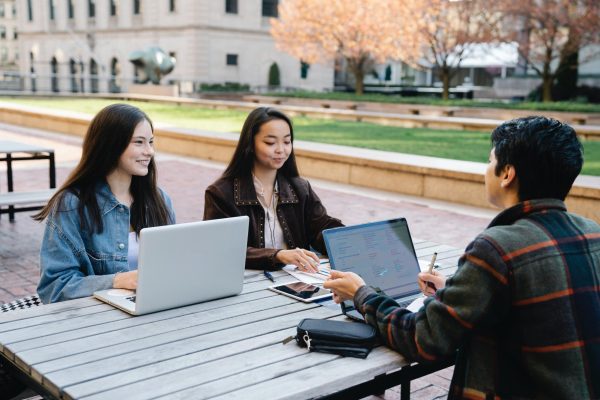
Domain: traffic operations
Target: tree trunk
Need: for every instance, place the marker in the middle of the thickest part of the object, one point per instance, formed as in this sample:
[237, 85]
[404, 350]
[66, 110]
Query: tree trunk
[547, 80]
[446, 84]
[358, 67]
[359, 75]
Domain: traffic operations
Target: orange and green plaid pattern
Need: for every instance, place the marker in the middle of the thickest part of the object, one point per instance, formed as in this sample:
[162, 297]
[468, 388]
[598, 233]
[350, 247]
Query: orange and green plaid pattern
[523, 309]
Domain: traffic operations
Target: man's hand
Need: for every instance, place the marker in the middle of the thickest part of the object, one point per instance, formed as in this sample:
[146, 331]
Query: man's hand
[343, 285]
[126, 280]
[429, 283]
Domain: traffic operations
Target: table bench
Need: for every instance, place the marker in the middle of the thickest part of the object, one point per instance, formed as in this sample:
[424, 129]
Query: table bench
[16, 151]
[23, 198]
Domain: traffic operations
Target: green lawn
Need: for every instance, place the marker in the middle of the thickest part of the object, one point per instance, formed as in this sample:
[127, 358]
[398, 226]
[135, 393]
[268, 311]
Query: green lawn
[458, 145]
[570, 106]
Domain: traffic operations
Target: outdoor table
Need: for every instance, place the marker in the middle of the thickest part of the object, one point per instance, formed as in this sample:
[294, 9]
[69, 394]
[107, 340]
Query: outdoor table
[223, 349]
[15, 151]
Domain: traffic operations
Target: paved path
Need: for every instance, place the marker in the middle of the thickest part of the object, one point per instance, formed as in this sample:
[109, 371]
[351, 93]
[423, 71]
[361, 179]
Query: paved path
[185, 180]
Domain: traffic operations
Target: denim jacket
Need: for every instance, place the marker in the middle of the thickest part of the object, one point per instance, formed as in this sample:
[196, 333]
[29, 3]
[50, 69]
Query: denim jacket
[75, 262]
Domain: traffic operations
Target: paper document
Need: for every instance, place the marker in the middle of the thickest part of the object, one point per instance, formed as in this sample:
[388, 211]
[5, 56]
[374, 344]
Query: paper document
[307, 277]
[416, 304]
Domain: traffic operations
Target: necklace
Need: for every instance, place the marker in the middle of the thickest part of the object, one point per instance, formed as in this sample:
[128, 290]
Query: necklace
[272, 205]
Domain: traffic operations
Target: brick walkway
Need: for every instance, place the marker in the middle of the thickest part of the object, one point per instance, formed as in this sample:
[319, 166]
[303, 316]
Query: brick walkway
[185, 181]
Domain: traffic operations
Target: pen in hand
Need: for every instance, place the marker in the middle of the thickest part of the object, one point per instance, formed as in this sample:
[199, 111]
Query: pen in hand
[269, 275]
[430, 269]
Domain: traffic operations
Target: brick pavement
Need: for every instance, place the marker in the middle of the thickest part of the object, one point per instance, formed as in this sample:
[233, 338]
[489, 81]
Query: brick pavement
[185, 181]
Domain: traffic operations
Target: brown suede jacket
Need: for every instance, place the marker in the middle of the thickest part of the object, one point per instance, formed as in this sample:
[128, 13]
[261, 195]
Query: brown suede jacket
[299, 210]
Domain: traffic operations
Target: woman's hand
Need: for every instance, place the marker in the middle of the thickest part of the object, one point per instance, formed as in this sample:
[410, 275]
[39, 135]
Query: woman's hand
[429, 283]
[126, 280]
[305, 260]
[343, 285]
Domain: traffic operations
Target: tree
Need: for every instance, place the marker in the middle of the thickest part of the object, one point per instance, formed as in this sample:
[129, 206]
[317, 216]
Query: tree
[447, 31]
[360, 31]
[274, 75]
[551, 32]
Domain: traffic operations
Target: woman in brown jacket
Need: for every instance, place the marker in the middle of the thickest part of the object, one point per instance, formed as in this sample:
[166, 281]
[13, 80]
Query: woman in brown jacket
[262, 182]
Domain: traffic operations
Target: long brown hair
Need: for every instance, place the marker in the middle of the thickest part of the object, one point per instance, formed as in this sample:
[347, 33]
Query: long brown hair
[107, 137]
[243, 158]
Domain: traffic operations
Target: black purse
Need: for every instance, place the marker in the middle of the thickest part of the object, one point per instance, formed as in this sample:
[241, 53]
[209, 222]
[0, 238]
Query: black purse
[349, 339]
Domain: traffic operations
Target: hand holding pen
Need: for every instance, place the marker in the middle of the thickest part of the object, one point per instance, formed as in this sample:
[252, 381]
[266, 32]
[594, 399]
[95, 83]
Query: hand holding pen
[431, 281]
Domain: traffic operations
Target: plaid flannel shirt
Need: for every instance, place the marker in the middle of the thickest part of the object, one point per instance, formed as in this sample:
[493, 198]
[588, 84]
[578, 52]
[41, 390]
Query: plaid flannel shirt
[523, 309]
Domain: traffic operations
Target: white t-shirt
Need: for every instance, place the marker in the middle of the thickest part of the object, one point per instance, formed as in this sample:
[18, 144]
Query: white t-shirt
[132, 251]
[273, 233]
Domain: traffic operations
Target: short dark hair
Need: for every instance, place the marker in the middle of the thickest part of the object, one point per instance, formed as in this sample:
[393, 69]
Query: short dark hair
[243, 158]
[546, 154]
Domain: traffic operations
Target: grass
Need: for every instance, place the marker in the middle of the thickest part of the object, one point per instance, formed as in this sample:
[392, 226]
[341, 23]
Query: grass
[569, 106]
[453, 144]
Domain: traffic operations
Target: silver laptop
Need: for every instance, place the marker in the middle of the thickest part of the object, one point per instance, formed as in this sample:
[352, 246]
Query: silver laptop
[382, 253]
[185, 264]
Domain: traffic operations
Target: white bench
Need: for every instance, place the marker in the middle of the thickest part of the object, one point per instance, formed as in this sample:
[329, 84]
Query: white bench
[15, 199]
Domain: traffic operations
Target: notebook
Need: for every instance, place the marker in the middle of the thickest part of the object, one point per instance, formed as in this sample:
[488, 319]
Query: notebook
[382, 253]
[185, 264]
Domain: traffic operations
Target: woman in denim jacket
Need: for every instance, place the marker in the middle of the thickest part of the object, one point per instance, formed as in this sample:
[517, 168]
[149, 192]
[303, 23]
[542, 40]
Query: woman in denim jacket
[94, 219]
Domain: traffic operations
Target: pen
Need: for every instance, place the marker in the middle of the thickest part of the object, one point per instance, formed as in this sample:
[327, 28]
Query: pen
[430, 269]
[432, 263]
[268, 275]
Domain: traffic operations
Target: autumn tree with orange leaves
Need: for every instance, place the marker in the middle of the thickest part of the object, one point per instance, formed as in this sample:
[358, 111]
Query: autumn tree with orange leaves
[549, 32]
[360, 31]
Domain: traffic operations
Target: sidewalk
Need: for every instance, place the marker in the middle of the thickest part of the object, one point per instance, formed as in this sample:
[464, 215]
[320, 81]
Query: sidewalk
[185, 180]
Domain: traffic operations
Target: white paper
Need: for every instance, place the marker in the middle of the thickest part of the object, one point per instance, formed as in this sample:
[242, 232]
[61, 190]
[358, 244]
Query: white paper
[307, 277]
[416, 304]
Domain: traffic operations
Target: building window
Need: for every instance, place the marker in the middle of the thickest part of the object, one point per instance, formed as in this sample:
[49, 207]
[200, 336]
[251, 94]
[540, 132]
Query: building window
[15, 35]
[231, 6]
[92, 8]
[232, 59]
[70, 11]
[54, 74]
[269, 8]
[172, 5]
[2, 10]
[2, 32]
[51, 9]
[29, 11]
[4, 54]
[137, 6]
[113, 8]
[93, 76]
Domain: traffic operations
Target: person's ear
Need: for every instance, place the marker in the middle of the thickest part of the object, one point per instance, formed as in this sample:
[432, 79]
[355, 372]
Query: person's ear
[508, 175]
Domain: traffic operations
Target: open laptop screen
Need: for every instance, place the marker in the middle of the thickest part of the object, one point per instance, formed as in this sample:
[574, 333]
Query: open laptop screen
[382, 253]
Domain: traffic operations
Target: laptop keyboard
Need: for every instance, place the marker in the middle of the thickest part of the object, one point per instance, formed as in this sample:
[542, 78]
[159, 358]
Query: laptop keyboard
[131, 298]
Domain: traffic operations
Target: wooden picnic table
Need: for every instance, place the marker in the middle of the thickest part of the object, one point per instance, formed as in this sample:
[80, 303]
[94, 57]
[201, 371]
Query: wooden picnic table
[223, 349]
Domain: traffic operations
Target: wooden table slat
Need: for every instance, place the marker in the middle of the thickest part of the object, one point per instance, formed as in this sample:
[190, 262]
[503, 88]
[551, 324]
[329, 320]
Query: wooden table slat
[212, 361]
[304, 377]
[41, 338]
[130, 337]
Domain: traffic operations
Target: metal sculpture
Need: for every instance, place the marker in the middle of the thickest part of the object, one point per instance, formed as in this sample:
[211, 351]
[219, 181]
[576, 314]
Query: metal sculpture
[151, 64]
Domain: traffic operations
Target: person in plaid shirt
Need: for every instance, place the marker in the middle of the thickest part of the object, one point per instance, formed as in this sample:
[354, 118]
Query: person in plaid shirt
[523, 308]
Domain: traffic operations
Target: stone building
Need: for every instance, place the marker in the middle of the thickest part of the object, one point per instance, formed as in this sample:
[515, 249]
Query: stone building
[83, 45]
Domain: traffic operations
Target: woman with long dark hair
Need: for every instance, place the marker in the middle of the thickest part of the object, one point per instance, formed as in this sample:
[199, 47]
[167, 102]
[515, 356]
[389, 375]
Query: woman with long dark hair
[94, 219]
[262, 182]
